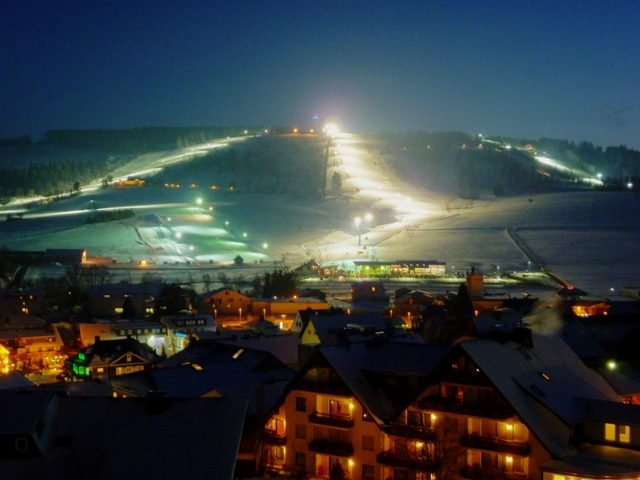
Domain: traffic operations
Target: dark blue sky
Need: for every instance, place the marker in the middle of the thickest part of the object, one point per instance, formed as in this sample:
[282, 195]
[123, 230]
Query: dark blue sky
[561, 69]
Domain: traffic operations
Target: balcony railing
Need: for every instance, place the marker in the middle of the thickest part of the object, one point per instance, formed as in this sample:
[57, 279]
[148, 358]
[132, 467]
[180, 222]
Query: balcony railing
[452, 405]
[332, 420]
[409, 431]
[482, 473]
[273, 438]
[403, 461]
[331, 447]
[496, 445]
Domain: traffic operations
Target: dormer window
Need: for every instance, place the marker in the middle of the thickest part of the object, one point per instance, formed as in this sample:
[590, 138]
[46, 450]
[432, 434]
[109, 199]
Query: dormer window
[617, 433]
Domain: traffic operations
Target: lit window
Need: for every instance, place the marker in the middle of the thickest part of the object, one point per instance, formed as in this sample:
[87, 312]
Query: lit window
[278, 452]
[624, 433]
[119, 309]
[610, 432]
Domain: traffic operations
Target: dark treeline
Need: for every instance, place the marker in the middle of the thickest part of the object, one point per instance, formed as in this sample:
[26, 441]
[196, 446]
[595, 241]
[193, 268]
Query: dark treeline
[261, 165]
[15, 141]
[51, 178]
[145, 139]
[479, 165]
[620, 161]
[111, 216]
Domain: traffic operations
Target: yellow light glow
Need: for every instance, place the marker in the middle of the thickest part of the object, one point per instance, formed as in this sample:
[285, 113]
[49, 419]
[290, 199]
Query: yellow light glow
[509, 426]
[509, 459]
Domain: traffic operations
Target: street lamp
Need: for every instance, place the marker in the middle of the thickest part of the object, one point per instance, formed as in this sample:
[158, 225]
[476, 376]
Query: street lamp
[529, 267]
[358, 221]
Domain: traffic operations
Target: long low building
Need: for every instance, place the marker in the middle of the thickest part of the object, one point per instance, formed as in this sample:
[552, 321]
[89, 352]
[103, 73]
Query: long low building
[415, 268]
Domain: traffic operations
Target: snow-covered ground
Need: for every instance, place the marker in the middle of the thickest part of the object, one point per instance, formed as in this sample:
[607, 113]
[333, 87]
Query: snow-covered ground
[592, 239]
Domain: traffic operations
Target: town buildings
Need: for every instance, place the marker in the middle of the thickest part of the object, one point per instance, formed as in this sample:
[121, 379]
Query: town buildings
[517, 405]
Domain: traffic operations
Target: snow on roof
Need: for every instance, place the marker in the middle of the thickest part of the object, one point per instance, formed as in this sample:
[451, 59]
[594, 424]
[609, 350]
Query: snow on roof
[325, 326]
[14, 380]
[21, 410]
[209, 432]
[611, 412]
[227, 369]
[598, 461]
[623, 385]
[546, 405]
[353, 361]
[284, 347]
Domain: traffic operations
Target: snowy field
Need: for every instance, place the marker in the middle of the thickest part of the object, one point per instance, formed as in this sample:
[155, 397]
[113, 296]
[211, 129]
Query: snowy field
[592, 239]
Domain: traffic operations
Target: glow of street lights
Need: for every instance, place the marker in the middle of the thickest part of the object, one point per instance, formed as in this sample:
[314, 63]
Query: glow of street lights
[368, 217]
[199, 201]
[264, 245]
[244, 235]
[178, 235]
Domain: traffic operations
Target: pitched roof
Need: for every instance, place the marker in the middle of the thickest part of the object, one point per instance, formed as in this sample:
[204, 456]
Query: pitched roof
[21, 410]
[101, 429]
[358, 364]
[15, 380]
[326, 325]
[206, 366]
[600, 461]
[611, 412]
[547, 406]
[104, 352]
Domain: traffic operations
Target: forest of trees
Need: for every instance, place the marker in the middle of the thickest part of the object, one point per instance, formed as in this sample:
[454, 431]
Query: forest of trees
[51, 178]
[267, 164]
[504, 171]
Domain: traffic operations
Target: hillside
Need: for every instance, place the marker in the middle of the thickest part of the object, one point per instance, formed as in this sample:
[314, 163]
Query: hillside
[276, 213]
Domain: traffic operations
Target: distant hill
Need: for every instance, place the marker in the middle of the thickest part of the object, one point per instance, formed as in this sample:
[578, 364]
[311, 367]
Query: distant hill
[294, 165]
[470, 164]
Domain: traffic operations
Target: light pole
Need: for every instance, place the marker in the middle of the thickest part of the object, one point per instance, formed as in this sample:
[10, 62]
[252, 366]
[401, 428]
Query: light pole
[529, 266]
[358, 221]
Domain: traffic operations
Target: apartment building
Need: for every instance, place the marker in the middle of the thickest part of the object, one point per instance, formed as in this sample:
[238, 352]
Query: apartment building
[510, 406]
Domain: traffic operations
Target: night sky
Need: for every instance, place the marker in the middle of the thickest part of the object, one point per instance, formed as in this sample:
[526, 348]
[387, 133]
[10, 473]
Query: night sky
[554, 68]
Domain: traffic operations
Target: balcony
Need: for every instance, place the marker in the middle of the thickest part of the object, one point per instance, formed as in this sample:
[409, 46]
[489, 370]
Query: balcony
[331, 420]
[452, 405]
[331, 447]
[273, 438]
[480, 473]
[496, 445]
[409, 431]
[403, 461]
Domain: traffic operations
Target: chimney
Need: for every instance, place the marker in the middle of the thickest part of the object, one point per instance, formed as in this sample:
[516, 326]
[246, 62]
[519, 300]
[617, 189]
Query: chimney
[522, 335]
